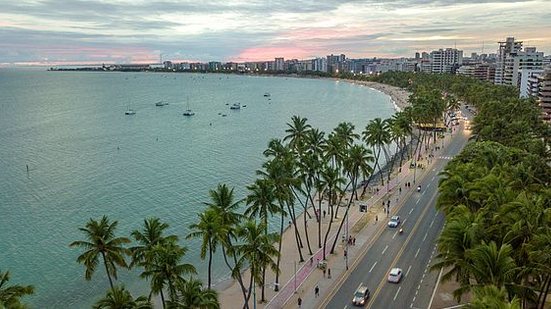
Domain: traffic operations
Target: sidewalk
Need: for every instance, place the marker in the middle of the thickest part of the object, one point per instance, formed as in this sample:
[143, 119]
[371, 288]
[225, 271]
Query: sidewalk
[302, 283]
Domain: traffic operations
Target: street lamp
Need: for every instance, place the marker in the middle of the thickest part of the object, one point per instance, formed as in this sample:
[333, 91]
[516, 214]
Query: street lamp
[347, 242]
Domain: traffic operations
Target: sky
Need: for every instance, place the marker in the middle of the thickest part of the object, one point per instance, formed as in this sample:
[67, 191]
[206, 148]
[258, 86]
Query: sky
[55, 32]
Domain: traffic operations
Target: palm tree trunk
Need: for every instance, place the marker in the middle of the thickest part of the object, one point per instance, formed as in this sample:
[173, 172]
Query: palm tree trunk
[340, 226]
[297, 234]
[235, 274]
[276, 288]
[107, 270]
[210, 263]
[320, 196]
[163, 298]
[306, 229]
[263, 296]
[329, 227]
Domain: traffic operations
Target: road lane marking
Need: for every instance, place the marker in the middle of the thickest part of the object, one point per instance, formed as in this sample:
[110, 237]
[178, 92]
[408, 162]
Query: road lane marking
[371, 269]
[395, 233]
[405, 220]
[431, 223]
[396, 295]
[385, 249]
[417, 201]
[416, 253]
[407, 272]
[399, 254]
[410, 211]
[424, 238]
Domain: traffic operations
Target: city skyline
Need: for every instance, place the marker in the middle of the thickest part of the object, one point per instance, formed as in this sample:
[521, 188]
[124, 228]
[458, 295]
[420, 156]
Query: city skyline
[58, 32]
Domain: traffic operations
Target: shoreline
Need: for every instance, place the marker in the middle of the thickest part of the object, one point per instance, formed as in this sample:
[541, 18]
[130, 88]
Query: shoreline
[399, 98]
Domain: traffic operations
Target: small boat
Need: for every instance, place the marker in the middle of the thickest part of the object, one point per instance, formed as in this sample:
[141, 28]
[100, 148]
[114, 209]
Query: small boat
[244, 105]
[224, 115]
[188, 112]
[130, 112]
[267, 94]
[235, 106]
[161, 103]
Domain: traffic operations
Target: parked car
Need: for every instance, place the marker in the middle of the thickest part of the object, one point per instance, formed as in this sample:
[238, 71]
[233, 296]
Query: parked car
[395, 275]
[394, 221]
[360, 296]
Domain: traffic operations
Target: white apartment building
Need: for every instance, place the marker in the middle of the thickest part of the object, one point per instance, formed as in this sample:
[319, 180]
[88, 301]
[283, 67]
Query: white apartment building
[529, 59]
[529, 80]
[506, 49]
[446, 60]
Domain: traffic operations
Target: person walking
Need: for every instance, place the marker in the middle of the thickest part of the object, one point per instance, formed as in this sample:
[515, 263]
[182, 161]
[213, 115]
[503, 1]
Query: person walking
[316, 291]
[324, 272]
[299, 301]
[329, 273]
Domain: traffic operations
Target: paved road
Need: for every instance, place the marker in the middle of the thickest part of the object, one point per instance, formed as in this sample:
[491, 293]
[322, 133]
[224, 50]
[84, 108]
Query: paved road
[410, 251]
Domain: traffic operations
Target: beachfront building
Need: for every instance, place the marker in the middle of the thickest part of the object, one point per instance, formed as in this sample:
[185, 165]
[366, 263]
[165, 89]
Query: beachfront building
[544, 95]
[506, 49]
[480, 71]
[527, 60]
[446, 60]
[334, 62]
[538, 86]
[529, 82]
[279, 64]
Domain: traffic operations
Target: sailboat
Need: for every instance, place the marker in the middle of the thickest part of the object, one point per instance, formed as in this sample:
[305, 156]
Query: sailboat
[130, 112]
[188, 111]
[161, 103]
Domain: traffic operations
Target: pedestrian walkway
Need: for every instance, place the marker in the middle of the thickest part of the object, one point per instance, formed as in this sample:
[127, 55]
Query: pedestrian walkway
[300, 279]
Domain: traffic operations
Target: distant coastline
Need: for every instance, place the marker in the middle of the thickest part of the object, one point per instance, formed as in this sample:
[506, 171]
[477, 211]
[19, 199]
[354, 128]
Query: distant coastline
[398, 95]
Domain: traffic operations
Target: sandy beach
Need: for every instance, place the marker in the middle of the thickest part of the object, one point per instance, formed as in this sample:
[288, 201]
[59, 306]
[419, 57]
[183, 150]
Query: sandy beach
[230, 295]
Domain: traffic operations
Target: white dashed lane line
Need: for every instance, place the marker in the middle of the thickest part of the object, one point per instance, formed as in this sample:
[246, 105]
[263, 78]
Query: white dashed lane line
[384, 250]
[371, 269]
[407, 272]
[396, 295]
[416, 253]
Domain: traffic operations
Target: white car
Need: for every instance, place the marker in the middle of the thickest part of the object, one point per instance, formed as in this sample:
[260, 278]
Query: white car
[394, 221]
[395, 275]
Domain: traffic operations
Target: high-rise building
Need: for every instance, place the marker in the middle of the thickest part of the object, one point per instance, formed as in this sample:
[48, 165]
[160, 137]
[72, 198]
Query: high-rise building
[334, 61]
[279, 64]
[480, 71]
[544, 93]
[515, 64]
[446, 60]
[506, 49]
[417, 56]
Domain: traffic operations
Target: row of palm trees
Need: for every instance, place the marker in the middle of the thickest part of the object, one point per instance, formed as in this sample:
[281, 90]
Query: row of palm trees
[496, 242]
[159, 257]
[302, 170]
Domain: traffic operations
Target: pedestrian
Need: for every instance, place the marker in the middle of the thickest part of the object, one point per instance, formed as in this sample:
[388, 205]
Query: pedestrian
[345, 253]
[376, 218]
[299, 301]
[400, 189]
[354, 241]
[311, 260]
[324, 213]
[329, 273]
[316, 291]
[324, 271]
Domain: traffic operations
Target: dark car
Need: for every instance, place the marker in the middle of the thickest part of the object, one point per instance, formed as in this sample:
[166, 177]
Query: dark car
[361, 296]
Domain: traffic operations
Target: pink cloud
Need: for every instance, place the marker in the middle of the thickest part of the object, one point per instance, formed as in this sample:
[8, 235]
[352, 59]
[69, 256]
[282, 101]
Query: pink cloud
[270, 52]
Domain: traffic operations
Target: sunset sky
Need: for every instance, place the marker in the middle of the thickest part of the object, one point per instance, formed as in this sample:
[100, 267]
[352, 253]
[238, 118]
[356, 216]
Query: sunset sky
[51, 32]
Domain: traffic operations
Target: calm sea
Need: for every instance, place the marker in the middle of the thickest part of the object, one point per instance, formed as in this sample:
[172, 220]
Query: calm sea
[86, 158]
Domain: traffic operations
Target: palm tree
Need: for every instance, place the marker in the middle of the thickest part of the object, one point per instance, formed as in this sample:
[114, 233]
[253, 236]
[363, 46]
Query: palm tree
[357, 164]
[257, 250]
[222, 200]
[261, 203]
[376, 135]
[101, 241]
[491, 297]
[297, 132]
[150, 235]
[120, 298]
[192, 295]
[208, 227]
[165, 268]
[10, 296]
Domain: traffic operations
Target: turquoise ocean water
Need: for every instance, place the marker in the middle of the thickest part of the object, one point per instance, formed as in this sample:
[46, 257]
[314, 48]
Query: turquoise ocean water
[87, 158]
